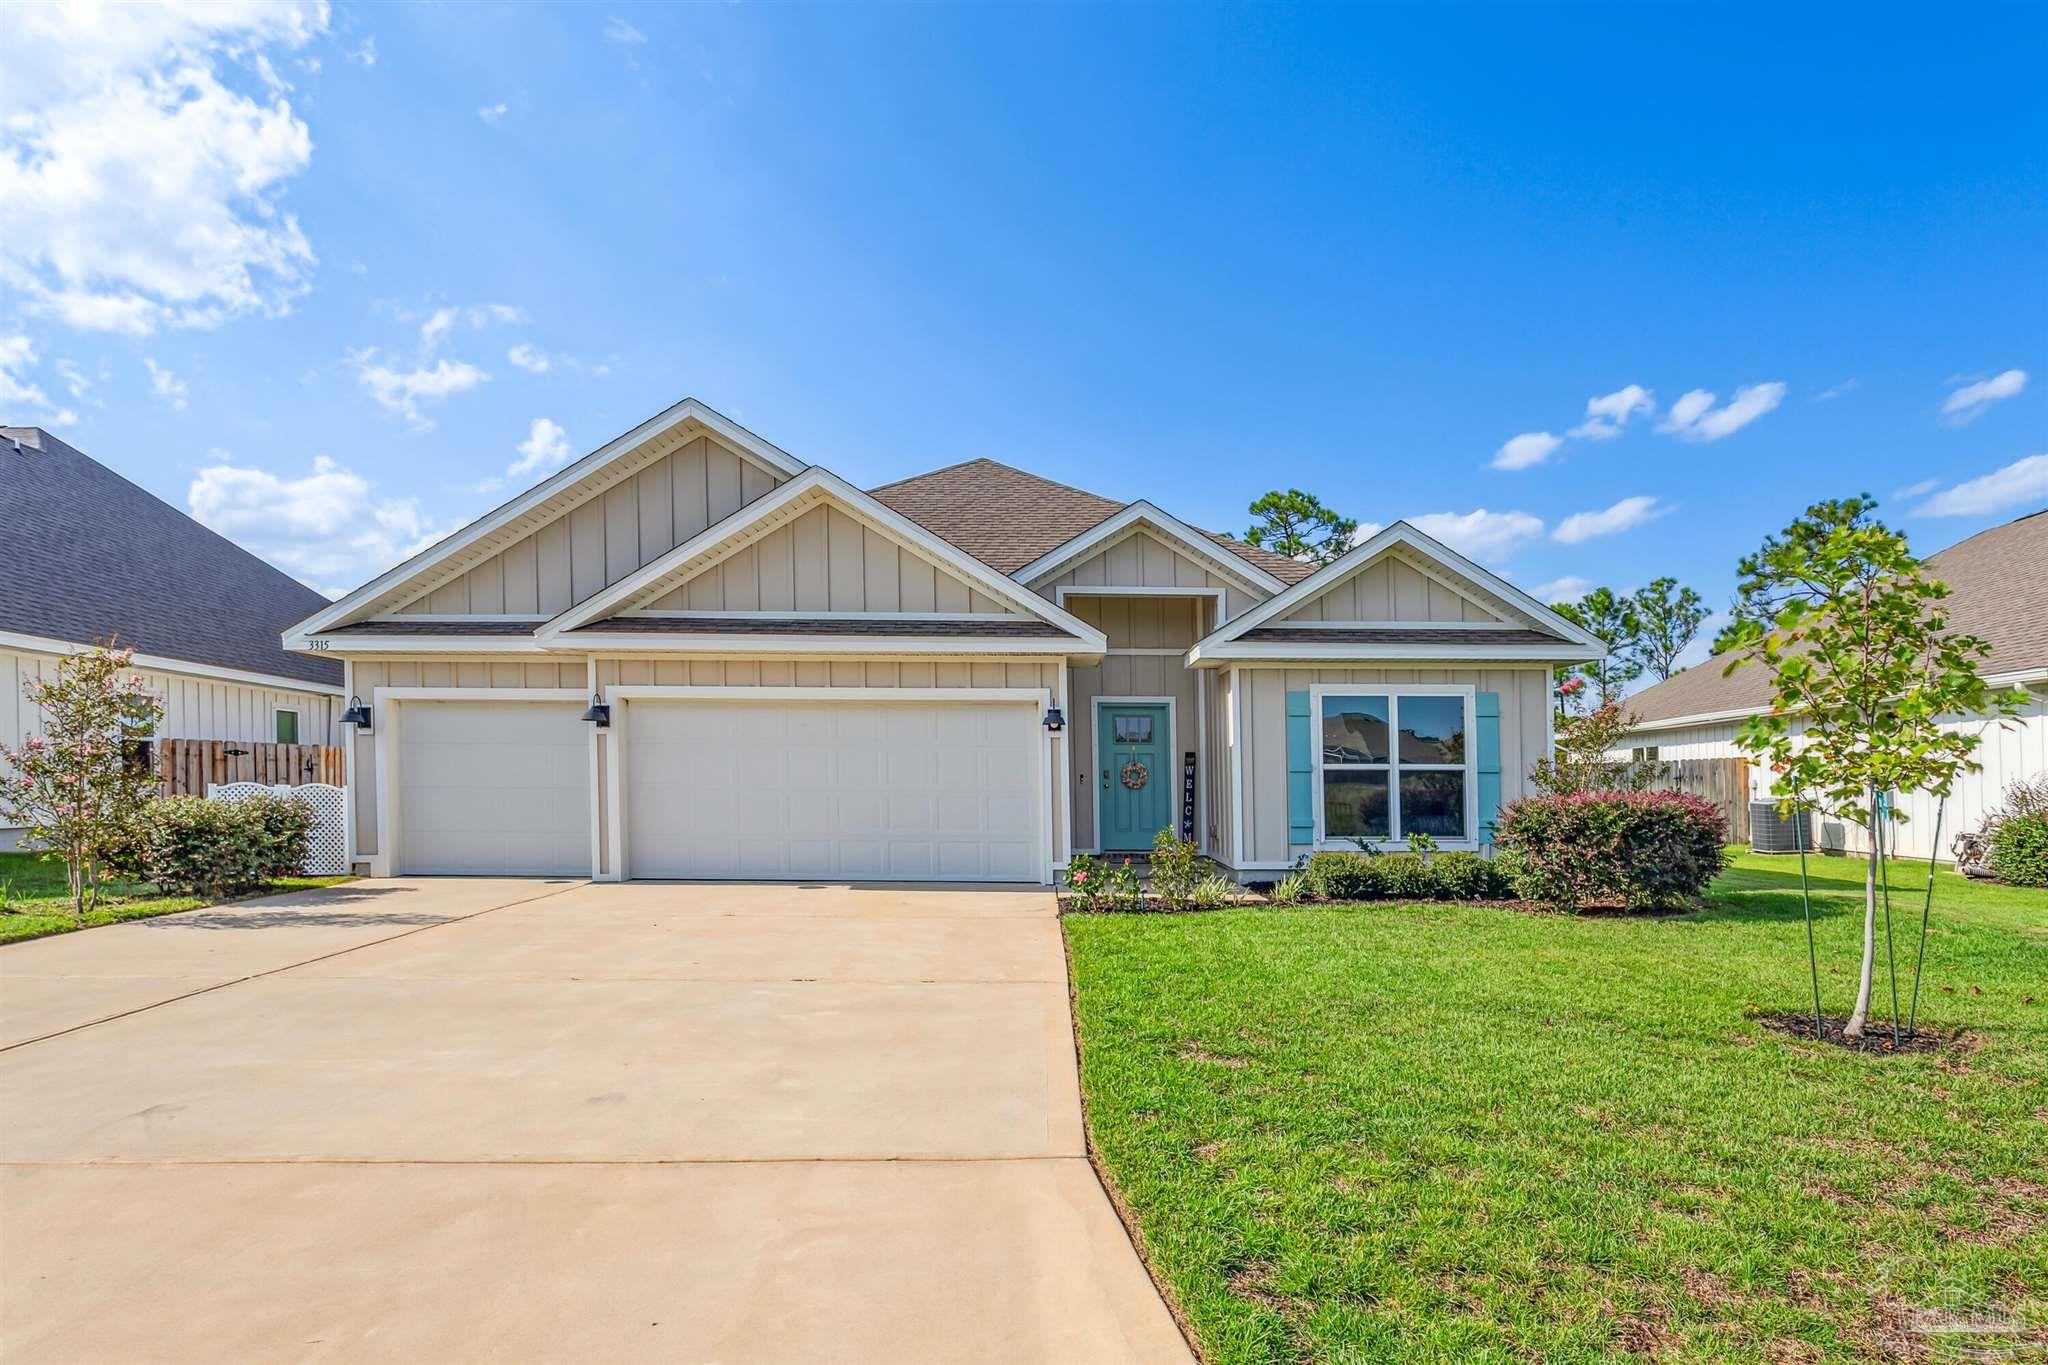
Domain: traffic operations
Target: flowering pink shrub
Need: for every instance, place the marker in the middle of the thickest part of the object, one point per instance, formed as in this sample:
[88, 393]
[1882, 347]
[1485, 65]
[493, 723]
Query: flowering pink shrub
[1643, 850]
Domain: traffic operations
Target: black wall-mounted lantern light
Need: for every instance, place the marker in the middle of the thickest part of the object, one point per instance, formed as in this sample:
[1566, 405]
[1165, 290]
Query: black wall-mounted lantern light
[599, 714]
[357, 714]
[1054, 721]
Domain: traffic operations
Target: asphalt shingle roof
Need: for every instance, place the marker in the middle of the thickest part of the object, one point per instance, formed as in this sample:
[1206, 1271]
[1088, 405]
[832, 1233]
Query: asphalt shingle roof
[1998, 582]
[1007, 518]
[90, 555]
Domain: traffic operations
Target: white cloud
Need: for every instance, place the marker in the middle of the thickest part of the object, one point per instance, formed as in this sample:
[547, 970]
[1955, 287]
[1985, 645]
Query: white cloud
[1914, 490]
[443, 321]
[20, 395]
[1695, 418]
[1686, 410]
[325, 527]
[1366, 531]
[1530, 448]
[1968, 403]
[401, 391]
[1622, 516]
[545, 449]
[617, 30]
[165, 385]
[1480, 534]
[141, 185]
[1837, 390]
[530, 358]
[75, 379]
[1566, 589]
[1609, 413]
[2020, 483]
[492, 113]
[365, 53]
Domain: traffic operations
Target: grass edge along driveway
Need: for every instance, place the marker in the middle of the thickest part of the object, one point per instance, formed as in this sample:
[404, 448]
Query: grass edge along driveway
[36, 903]
[1468, 1133]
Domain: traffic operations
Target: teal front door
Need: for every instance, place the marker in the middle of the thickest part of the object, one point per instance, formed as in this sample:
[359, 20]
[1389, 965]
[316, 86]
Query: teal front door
[1136, 786]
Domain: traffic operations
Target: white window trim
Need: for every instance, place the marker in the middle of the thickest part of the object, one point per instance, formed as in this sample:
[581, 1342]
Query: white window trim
[1173, 755]
[298, 725]
[1393, 692]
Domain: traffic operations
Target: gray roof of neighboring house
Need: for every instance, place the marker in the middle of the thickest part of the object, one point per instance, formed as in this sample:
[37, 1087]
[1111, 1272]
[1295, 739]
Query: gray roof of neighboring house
[1998, 591]
[90, 555]
[1007, 518]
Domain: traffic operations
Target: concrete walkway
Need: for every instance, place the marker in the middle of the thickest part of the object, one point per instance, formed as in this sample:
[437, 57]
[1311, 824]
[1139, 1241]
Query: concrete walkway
[548, 1121]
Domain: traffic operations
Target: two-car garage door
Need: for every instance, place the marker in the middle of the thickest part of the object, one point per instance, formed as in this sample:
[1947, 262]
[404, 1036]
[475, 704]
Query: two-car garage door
[835, 790]
[842, 790]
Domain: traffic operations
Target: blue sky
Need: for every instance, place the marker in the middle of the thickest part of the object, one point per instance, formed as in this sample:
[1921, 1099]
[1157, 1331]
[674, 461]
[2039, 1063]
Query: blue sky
[341, 279]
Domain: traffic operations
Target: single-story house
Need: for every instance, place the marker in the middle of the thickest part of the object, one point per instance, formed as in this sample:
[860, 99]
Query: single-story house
[90, 556]
[1998, 581]
[690, 654]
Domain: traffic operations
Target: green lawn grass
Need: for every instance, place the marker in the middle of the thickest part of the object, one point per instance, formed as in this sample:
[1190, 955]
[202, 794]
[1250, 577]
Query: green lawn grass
[36, 902]
[1472, 1133]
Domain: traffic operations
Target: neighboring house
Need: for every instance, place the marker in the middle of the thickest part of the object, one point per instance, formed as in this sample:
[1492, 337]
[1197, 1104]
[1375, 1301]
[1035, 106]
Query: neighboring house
[805, 680]
[89, 556]
[1998, 581]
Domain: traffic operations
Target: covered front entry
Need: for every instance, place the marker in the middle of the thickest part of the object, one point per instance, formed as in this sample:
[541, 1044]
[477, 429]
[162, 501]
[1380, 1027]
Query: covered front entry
[1134, 752]
[860, 789]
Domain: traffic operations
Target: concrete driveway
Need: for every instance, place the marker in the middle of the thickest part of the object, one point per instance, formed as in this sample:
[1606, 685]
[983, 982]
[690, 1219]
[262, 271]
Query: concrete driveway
[519, 1120]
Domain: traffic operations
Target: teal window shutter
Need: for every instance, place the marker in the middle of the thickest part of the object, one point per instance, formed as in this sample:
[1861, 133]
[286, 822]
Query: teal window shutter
[1486, 712]
[1301, 786]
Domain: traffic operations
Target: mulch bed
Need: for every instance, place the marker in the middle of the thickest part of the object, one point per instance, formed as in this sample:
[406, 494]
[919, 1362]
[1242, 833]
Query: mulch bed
[1877, 1037]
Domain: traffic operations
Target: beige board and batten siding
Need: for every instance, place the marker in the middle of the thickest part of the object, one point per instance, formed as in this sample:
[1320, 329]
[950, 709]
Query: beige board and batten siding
[1524, 733]
[1142, 560]
[1389, 589]
[367, 675]
[827, 561]
[605, 537]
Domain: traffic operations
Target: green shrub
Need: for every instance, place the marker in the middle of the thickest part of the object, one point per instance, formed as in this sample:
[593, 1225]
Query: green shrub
[1292, 889]
[2019, 850]
[1639, 849]
[1405, 877]
[189, 846]
[1212, 893]
[1470, 877]
[1342, 876]
[1177, 867]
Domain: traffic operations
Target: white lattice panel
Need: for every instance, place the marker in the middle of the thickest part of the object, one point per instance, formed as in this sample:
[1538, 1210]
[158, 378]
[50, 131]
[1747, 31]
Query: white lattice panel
[326, 851]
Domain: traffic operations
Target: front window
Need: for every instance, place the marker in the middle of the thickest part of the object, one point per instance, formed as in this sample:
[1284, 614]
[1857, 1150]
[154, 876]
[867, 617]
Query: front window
[1393, 763]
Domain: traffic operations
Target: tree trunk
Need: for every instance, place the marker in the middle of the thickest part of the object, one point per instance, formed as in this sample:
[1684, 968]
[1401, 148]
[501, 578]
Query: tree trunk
[1861, 1014]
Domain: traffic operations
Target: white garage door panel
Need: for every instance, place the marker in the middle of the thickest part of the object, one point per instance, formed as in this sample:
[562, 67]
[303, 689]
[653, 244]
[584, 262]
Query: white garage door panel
[493, 788]
[848, 791]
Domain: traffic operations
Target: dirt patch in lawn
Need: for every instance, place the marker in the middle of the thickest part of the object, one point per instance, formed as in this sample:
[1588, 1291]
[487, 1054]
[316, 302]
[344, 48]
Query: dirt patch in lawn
[1877, 1037]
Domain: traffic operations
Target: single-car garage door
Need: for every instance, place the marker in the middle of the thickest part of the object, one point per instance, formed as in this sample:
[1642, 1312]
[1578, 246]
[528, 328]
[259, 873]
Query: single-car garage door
[847, 791]
[493, 788]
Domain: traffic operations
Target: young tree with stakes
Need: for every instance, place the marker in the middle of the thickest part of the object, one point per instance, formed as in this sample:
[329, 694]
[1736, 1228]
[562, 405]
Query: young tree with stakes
[71, 786]
[1863, 663]
[1296, 524]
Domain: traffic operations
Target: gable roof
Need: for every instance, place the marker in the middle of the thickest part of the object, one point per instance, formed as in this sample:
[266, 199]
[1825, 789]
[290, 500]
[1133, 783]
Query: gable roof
[814, 486]
[90, 554]
[1008, 519]
[1234, 639]
[538, 504]
[1998, 591]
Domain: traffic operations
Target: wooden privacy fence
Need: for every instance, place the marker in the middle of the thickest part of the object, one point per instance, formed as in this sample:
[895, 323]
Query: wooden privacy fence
[1722, 781]
[187, 766]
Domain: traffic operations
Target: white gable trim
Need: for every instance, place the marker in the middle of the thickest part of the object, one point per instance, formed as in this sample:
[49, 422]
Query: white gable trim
[1198, 546]
[689, 410]
[164, 663]
[1403, 535]
[813, 485]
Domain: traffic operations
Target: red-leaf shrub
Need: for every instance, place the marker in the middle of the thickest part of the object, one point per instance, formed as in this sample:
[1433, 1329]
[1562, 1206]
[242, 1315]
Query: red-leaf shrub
[1644, 850]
